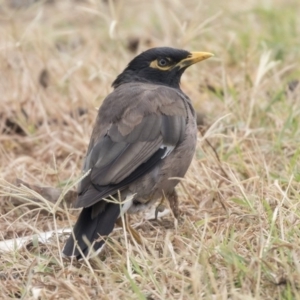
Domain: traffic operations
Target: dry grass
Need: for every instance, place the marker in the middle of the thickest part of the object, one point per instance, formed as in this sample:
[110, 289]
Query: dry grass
[239, 234]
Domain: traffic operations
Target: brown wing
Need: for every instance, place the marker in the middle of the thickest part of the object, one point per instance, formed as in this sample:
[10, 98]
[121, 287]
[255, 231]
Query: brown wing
[137, 126]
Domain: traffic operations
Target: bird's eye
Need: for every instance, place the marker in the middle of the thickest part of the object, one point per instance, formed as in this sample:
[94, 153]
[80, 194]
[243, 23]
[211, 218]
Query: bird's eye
[162, 62]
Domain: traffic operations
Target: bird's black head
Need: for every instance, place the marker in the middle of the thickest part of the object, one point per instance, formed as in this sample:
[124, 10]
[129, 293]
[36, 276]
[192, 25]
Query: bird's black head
[160, 65]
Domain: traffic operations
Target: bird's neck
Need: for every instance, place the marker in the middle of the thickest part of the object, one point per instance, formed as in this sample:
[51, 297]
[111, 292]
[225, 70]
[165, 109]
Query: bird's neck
[127, 77]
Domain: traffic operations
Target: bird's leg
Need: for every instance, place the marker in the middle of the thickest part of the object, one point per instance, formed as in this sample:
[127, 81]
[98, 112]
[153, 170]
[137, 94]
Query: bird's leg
[129, 229]
[132, 231]
[173, 201]
[159, 208]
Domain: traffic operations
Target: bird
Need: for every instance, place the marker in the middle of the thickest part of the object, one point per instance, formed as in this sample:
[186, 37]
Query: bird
[142, 143]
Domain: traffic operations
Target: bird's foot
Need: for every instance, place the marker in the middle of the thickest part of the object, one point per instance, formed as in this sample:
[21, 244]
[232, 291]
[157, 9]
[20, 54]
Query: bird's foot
[159, 208]
[135, 235]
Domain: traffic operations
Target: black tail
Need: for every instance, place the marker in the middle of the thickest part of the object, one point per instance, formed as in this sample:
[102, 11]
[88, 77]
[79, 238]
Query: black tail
[92, 228]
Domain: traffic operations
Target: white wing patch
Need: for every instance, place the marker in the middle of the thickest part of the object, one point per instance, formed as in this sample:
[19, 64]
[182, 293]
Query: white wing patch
[168, 150]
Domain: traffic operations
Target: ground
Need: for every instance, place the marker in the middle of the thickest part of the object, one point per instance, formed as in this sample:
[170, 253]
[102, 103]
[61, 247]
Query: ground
[238, 236]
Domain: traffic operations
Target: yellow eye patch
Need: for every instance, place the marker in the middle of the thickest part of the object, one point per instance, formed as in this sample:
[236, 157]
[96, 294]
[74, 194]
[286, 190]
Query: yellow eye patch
[163, 64]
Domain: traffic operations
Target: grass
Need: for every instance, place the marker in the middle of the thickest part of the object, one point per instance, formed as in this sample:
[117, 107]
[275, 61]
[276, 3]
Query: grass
[239, 232]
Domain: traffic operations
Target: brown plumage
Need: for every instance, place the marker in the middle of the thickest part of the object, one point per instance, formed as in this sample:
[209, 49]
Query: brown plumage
[145, 133]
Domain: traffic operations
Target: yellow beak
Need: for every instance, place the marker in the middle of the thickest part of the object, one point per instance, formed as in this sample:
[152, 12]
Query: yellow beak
[193, 58]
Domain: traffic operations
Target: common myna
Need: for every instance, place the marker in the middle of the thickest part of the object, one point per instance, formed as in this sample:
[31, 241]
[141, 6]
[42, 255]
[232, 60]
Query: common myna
[145, 134]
